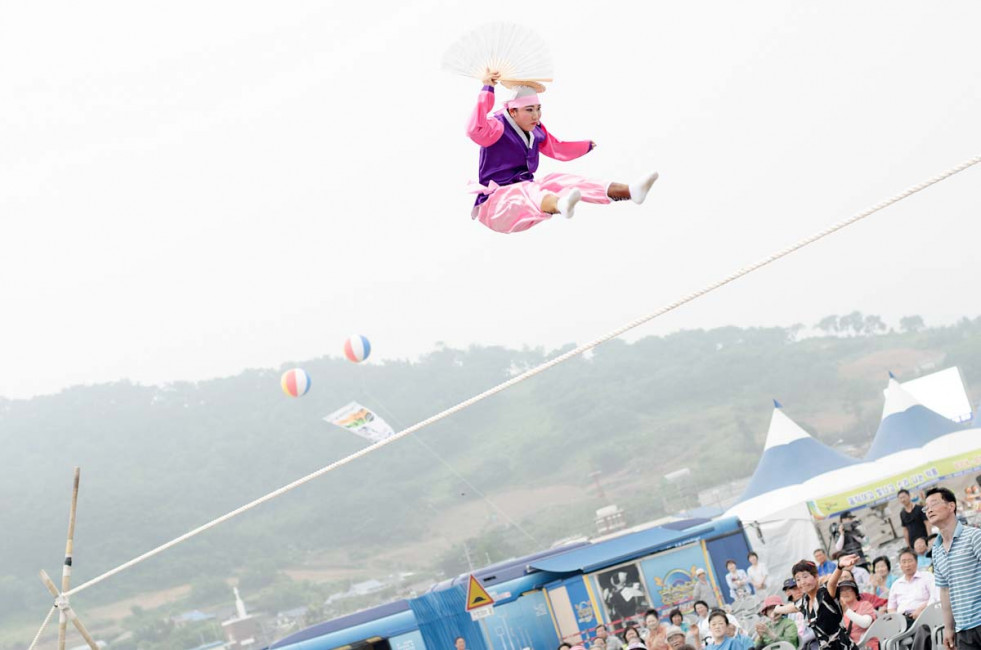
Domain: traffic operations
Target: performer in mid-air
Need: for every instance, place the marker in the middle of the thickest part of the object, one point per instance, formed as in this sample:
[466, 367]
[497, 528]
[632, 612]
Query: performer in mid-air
[509, 198]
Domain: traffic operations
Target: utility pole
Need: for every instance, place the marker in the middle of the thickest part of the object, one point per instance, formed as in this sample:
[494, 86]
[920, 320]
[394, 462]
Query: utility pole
[466, 551]
[599, 488]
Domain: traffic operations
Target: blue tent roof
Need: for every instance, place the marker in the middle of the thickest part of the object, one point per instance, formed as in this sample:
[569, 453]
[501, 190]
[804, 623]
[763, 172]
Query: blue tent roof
[790, 457]
[630, 546]
[906, 424]
[194, 616]
[910, 429]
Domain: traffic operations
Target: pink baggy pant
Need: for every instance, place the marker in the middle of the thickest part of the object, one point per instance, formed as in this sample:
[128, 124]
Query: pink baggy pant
[517, 207]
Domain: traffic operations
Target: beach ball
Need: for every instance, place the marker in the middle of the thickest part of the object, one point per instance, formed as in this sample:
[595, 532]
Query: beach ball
[357, 348]
[295, 382]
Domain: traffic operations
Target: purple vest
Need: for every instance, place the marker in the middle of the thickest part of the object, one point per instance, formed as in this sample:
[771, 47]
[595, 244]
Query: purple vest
[510, 159]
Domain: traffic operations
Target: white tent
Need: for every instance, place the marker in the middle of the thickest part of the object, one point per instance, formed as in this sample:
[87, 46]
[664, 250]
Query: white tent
[796, 468]
[906, 424]
[942, 391]
[790, 457]
[914, 434]
[773, 508]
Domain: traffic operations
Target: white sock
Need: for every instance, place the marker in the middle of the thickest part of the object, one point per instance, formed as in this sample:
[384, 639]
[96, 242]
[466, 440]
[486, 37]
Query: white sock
[567, 204]
[639, 190]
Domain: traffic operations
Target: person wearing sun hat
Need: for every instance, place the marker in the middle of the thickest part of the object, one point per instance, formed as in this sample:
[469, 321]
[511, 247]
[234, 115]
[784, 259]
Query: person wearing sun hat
[857, 612]
[775, 627]
[703, 590]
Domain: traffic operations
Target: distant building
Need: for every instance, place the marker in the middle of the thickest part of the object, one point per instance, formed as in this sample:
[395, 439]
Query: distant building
[291, 618]
[207, 646]
[193, 616]
[242, 631]
[358, 589]
[366, 587]
[725, 495]
[609, 519]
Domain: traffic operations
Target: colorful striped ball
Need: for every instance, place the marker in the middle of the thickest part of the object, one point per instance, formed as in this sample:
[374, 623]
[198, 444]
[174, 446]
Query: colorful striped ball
[357, 348]
[295, 382]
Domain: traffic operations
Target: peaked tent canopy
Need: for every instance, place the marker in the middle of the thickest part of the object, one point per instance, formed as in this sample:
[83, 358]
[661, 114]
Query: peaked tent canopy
[942, 391]
[790, 457]
[906, 424]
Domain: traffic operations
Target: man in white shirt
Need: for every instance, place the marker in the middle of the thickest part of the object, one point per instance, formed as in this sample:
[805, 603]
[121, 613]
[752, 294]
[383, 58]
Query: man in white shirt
[911, 593]
[612, 641]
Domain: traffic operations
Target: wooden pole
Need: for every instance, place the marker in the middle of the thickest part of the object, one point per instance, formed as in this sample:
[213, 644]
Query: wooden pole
[68, 612]
[66, 569]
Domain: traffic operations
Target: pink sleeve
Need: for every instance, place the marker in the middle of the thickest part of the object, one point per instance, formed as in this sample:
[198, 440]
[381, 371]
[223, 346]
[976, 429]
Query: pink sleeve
[865, 607]
[480, 129]
[555, 148]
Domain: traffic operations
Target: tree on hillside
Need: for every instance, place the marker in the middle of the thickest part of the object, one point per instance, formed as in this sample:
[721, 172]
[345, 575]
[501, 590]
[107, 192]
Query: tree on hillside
[912, 323]
[853, 323]
[828, 324]
[184, 453]
[873, 325]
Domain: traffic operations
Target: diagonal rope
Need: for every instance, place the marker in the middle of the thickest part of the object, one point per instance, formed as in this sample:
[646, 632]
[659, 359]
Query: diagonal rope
[43, 625]
[536, 370]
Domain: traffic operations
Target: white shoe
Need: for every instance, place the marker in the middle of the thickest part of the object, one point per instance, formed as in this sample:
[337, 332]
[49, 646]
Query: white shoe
[639, 190]
[567, 204]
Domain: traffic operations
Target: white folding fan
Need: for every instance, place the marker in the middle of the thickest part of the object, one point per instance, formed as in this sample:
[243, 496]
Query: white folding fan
[518, 53]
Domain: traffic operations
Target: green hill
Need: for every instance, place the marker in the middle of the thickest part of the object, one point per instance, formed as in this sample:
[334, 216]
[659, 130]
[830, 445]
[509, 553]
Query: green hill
[158, 461]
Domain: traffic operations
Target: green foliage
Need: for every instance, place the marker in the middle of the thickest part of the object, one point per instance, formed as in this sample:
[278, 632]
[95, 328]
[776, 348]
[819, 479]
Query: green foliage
[259, 575]
[151, 630]
[209, 591]
[911, 323]
[286, 594]
[493, 546]
[159, 461]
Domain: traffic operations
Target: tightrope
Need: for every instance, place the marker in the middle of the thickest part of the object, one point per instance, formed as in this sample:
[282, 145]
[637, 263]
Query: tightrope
[531, 373]
[47, 619]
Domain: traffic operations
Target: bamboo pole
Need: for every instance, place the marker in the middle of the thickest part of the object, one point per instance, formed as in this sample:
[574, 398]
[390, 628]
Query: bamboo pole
[66, 569]
[62, 604]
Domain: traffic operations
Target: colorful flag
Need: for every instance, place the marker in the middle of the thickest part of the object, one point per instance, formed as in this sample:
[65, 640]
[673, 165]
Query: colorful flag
[362, 421]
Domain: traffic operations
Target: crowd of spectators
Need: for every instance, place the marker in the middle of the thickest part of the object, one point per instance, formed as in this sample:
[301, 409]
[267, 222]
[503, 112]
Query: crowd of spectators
[829, 603]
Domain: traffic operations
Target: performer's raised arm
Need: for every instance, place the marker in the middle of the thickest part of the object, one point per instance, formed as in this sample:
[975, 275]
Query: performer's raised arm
[481, 129]
[509, 197]
[555, 148]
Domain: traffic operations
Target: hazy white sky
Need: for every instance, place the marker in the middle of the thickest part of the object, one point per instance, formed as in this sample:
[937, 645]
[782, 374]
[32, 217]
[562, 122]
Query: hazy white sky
[188, 189]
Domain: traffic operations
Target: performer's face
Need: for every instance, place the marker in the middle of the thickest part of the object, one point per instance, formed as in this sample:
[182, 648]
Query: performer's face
[527, 117]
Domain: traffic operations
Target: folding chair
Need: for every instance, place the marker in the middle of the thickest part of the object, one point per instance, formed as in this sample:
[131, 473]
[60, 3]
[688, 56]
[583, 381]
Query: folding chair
[931, 617]
[885, 626]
